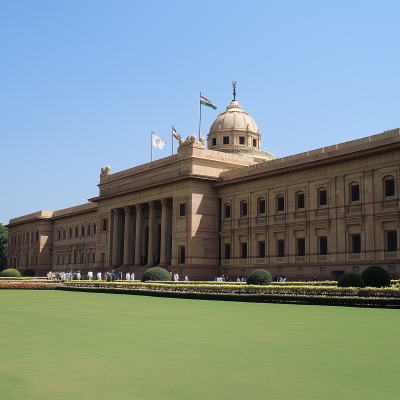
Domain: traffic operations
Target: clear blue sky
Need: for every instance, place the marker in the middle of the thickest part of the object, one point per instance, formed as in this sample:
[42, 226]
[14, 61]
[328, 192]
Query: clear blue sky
[82, 83]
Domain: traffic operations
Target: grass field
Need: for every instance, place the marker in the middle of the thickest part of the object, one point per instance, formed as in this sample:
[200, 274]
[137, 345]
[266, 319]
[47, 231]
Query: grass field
[69, 345]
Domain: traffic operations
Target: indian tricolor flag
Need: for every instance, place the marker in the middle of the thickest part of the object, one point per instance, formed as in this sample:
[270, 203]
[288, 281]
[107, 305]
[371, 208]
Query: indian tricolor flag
[207, 103]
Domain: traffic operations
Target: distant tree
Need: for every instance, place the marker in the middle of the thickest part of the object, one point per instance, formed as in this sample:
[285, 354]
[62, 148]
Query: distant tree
[3, 246]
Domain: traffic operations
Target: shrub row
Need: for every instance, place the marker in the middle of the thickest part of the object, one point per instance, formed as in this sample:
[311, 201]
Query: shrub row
[29, 285]
[247, 289]
[316, 283]
[261, 298]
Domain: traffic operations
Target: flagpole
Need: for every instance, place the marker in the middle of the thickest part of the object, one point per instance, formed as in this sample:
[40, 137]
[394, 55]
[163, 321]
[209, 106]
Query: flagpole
[172, 140]
[200, 117]
[151, 145]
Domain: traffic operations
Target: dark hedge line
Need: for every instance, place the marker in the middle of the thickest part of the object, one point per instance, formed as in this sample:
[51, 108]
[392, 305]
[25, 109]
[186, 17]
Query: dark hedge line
[253, 298]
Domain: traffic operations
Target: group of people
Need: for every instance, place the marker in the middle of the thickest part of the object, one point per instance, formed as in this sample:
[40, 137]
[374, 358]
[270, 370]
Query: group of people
[70, 275]
[225, 278]
[175, 276]
[280, 278]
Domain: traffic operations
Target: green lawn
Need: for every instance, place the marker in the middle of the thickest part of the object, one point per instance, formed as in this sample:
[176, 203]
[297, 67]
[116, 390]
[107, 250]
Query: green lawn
[71, 345]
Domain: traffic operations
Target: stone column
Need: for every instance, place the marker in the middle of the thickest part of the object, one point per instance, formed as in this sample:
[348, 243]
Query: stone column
[138, 239]
[164, 235]
[115, 238]
[150, 255]
[127, 239]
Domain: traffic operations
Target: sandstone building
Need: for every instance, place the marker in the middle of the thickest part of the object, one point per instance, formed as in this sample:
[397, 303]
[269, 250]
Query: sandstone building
[230, 208]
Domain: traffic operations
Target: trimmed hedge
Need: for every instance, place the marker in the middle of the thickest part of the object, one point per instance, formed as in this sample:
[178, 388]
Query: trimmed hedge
[29, 272]
[330, 291]
[262, 298]
[156, 274]
[11, 273]
[259, 277]
[376, 276]
[351, 280]
[287, 283]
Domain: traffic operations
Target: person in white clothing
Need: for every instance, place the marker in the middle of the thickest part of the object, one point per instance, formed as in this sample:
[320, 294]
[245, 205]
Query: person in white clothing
[128, 276]
[176, 277]
[99, 276]
[186, 278]
[90, 275]
[132, 276]
[78, 275]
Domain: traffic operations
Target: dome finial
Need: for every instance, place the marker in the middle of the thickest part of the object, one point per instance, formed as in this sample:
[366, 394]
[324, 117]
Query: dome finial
[234, 89]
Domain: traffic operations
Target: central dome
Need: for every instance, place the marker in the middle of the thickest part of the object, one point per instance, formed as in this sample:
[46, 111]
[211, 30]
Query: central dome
[234, 118]
[235, 131]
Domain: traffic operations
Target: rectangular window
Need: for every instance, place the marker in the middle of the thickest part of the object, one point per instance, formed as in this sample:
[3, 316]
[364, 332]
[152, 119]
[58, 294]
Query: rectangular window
[225, 140]
[182, 209]
[281, 248]
[300, 200]
[281, 203]
[389, 187]
[37, 235]
[392, 241]
[391, 268]
[323, 246]
[94, 229]
[241, 140]
[254, 142]
[227, 251]
[182, 255]
[104, 224]
[227, 211]
[82, 231]
[64, 233]
[322, 270]
[244, 209]
[300, 270]
[214, 141]
[355, 193]
[88, 230]
[261, 249]
[322, 198]
[93, 257]
[244, 250]
[301, 247]
[356, 243]
[58, 234]
[356, 269]
[70, 232]
[76, 231]
[261, 207]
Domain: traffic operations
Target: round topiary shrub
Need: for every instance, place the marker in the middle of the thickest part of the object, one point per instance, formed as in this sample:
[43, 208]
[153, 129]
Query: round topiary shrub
[259, 277]
[156, 274]
[29, 272]
[376, 276]
[350, 280]
[10, 273]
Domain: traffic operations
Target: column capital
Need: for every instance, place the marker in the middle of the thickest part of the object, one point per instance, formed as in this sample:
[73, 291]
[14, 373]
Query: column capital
[138, 207]
[164, 202]
[116, 210]
[127, 210]
[152, 204]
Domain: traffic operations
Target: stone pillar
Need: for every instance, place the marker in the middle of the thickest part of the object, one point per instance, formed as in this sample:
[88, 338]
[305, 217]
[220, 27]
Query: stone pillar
[150, 255]
[127, 239]
[164, 235]
[115, 238]
[138, 238]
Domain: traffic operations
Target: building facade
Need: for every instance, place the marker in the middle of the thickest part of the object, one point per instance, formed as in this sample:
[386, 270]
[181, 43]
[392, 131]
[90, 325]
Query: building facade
[228, 209]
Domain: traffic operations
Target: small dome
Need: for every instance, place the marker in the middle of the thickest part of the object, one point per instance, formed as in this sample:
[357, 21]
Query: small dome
[234, 118]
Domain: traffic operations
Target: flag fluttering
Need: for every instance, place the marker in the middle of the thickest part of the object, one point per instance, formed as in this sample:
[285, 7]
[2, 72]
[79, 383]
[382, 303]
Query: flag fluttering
[157, 141]
[175, 134]
[207, 102]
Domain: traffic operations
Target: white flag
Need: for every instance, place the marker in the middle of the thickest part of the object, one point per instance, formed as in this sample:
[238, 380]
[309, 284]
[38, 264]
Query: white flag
[158, 142]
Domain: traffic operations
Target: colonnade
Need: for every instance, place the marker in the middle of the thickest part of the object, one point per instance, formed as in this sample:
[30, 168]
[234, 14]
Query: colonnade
[128, 211]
